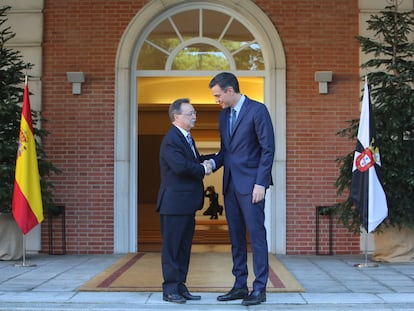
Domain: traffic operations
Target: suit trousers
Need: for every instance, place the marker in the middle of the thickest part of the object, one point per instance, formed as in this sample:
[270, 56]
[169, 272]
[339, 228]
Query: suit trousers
[242, 214]
[177, 235]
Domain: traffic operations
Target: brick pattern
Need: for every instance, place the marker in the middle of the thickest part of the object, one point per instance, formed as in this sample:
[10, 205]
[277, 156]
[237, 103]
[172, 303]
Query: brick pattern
[317, 36]
[81, 35]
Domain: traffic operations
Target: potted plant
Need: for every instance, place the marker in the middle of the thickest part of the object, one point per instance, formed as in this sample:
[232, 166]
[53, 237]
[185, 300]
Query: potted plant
[12, 74]
[390, 75]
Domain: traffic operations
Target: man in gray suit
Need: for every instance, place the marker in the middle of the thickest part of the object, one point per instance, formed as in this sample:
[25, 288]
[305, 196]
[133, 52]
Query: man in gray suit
[246, 152]
[180, 195]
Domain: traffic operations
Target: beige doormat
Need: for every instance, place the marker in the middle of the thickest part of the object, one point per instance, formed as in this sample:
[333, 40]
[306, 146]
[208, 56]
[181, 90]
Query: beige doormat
[208, 272]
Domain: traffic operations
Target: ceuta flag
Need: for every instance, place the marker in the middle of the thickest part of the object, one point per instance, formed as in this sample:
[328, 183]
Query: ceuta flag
[367, 191]
[27, 199]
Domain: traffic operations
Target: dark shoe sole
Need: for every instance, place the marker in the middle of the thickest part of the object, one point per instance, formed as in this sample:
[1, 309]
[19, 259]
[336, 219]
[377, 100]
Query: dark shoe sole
[191, 297]
[253, 302]
[230, 299]
[174, 300]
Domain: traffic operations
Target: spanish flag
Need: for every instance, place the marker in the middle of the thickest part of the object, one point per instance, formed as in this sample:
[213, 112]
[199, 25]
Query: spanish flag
[367, 191]
[27, 198]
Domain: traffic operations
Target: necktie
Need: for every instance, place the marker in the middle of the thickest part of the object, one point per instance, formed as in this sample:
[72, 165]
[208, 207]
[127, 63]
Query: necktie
[191, 143]
[233, 120]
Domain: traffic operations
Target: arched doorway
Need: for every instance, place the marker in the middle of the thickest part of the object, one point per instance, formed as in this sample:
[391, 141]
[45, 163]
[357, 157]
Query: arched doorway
[131, 71]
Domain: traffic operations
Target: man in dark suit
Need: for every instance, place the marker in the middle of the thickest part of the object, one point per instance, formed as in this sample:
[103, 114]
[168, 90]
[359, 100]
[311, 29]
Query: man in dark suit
[247, 150]
[180, 195]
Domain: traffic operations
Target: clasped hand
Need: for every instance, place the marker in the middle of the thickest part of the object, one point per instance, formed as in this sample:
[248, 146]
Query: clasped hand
[208, 168]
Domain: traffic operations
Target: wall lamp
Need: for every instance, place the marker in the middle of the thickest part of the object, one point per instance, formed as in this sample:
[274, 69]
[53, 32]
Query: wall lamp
[76, 78]
[323, 77]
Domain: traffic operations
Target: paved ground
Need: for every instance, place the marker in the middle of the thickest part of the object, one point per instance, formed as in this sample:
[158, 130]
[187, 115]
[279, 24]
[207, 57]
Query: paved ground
[331, 283]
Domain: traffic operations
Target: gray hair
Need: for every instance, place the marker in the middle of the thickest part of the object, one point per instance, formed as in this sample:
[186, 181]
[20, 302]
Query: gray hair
[175, 107]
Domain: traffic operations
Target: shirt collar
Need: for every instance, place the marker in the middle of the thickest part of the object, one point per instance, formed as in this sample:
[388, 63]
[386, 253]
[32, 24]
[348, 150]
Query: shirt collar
[239, 103]
[183, 131]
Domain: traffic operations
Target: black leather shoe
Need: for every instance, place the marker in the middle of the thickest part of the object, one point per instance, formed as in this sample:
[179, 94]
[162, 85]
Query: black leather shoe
[255, 298]
[175, 298]
[189, 296]
[234, 294]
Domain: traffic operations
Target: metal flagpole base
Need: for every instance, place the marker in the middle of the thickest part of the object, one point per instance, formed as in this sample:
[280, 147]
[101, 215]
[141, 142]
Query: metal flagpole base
[25, 264]
[366, 265]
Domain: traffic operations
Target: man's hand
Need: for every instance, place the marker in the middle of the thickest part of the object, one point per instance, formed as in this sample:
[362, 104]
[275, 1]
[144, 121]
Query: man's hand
[258, 193]
[207, 167]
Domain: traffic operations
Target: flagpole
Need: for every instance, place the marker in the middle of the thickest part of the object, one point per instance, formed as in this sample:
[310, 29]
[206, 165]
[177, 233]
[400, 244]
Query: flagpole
[367, 192]
[366, 264]
[24, 264]
[18, 203]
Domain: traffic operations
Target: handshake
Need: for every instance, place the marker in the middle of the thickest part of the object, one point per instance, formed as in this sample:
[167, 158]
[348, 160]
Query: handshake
[208, 166]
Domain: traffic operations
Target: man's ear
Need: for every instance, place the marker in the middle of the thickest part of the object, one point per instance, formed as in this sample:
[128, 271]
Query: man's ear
[230, 90]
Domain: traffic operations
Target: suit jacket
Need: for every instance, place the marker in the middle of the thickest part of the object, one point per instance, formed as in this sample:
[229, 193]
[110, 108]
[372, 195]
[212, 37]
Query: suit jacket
[247, 154]
[181, 191]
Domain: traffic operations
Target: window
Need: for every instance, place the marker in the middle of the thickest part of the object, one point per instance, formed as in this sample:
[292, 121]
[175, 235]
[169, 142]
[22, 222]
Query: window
[200, 39]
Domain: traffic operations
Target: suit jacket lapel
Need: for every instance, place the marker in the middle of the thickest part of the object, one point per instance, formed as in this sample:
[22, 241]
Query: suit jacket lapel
[195, 149]
[240, 115]
[243, 111]
[185, 142]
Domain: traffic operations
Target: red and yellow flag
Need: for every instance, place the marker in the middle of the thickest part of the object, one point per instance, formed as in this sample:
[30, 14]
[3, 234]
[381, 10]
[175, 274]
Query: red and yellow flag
[27, 198]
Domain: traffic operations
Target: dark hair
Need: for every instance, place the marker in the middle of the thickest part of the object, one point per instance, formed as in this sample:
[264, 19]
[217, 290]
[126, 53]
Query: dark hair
[175, 107]
[225, 80]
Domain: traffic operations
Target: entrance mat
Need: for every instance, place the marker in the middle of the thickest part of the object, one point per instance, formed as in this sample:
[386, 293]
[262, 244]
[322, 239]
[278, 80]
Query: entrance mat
[208, 272]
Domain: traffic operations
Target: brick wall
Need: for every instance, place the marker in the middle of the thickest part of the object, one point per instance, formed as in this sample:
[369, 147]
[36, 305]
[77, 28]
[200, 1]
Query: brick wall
[317, 36]
[79, 36]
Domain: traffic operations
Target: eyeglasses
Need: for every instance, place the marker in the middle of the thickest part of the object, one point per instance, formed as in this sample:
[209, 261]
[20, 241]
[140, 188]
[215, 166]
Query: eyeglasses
[189, 114]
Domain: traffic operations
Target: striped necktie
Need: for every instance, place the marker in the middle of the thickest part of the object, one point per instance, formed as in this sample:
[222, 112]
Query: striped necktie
[191, 143]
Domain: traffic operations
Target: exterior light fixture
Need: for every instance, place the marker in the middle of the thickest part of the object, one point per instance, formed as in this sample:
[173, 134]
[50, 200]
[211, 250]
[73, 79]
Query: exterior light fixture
[76, 78]
[323, 77]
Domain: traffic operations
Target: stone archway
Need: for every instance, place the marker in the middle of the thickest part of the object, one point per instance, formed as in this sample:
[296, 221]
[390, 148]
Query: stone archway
[125, 183]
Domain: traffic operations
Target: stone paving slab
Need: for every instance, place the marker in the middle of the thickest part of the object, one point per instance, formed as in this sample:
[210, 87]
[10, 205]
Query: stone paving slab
[331, 283]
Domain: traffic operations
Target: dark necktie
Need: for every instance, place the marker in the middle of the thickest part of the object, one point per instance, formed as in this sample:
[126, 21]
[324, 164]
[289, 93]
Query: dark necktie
[233, 120]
